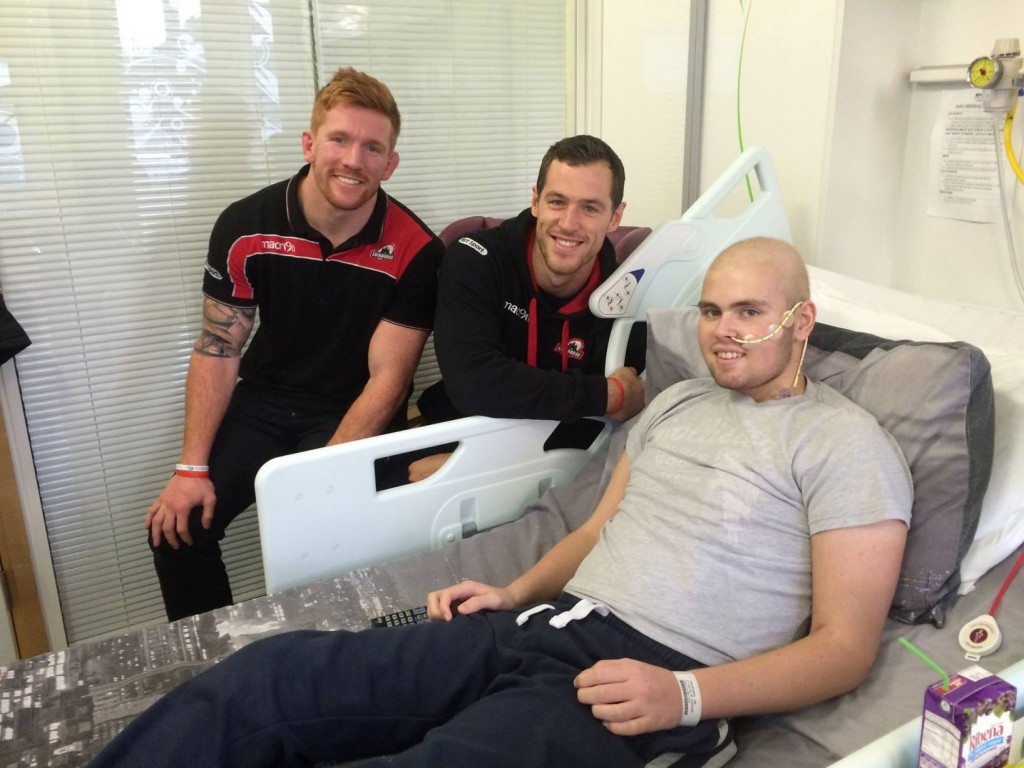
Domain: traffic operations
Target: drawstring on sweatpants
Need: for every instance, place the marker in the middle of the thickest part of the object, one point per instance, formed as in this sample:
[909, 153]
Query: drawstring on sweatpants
[581, 610]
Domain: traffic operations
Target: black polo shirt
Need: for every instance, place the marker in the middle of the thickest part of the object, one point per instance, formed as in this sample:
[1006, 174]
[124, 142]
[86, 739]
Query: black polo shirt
[319, 305]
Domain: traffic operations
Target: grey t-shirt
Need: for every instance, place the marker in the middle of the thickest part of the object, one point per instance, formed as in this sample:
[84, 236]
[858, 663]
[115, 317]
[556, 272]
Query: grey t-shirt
[710, 551]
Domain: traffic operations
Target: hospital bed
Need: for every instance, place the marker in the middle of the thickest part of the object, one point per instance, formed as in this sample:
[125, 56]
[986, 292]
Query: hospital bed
[338, 552]
[503, 499]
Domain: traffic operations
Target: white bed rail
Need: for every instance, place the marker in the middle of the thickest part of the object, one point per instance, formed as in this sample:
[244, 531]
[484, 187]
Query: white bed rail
[320, 512]
[667, 268]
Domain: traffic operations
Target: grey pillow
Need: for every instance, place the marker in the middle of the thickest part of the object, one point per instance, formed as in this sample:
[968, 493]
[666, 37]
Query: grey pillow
[935, 399]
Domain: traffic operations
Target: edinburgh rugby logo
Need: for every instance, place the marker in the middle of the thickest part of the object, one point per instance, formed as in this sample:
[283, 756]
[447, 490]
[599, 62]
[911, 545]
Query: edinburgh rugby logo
[474, 245]
[576, 348]
[387, 253]
[213, 272]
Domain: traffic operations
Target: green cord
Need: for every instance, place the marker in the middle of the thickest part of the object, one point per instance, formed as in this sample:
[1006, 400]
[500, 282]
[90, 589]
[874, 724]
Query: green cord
[739, 73]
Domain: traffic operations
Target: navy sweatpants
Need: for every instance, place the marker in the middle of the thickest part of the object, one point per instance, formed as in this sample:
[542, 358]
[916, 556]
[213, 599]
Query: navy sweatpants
[477, 691]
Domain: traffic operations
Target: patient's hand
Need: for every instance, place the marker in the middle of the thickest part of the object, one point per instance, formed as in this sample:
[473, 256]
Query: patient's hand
[468, 597]
[423, 468]
[630, 697]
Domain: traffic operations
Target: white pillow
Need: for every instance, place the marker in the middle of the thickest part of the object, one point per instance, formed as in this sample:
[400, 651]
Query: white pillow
[1001, 525]
[835, 308]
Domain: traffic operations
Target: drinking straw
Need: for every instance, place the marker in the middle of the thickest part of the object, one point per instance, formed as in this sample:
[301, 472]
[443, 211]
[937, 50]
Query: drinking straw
[920, 654]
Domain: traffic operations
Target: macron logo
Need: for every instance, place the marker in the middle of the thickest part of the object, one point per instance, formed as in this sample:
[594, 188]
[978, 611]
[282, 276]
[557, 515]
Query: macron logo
[474, 245]
[281, 246]
[521, 312]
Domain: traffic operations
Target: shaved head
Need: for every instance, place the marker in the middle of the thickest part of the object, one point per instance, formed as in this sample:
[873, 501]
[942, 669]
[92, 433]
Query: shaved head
[780, 259]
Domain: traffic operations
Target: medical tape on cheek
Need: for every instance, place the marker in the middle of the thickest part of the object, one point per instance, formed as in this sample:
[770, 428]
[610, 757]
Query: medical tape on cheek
[773, 329]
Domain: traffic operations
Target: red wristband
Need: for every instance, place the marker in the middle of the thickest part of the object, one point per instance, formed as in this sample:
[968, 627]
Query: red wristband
[622, 394]
[192, 470]
[191, 473]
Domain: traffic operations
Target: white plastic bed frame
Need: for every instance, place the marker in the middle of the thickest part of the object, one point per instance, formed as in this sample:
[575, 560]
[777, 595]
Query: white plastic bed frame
[320, 513]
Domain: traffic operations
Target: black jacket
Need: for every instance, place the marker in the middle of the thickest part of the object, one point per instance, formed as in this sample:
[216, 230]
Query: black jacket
[483, 327]
[13, 338]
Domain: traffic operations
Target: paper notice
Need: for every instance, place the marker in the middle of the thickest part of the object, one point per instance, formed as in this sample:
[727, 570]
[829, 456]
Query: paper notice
[962, 169]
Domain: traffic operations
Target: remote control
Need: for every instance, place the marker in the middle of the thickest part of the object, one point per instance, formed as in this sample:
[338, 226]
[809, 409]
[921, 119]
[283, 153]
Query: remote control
[400, 618]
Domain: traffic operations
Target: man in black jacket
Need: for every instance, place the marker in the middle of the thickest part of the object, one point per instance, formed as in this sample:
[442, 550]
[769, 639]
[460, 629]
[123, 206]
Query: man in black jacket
[513, 332]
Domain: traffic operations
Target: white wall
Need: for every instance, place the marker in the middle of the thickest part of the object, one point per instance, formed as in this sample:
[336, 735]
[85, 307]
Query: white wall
[783, 92]
[870, 105]
[944, 257]
[825, 88]
[644, 50]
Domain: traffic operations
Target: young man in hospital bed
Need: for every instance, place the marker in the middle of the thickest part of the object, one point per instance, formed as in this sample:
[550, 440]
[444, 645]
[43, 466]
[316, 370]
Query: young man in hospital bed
[741, 561]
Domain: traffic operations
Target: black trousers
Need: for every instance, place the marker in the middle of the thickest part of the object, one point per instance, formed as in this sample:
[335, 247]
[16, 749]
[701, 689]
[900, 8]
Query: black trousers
[478, 692]
[258, 426]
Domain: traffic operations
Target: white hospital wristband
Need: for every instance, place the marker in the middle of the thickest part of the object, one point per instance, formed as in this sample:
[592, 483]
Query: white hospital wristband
[690, 693]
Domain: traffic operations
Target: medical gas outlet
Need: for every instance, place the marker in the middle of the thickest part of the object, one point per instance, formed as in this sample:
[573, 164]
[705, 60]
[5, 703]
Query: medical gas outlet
[998, 74]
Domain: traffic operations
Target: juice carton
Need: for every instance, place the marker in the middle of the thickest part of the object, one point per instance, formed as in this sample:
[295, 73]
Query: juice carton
[970, 724]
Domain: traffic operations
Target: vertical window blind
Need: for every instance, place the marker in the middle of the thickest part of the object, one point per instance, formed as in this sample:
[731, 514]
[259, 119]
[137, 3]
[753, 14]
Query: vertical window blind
[125, 128]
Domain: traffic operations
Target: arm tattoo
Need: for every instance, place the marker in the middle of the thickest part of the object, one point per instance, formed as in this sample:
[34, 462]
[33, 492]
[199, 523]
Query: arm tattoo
[225, 329]
[212, 345]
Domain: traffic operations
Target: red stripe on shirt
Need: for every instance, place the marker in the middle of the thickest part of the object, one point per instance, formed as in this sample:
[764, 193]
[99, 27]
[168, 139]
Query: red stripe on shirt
[258, 244]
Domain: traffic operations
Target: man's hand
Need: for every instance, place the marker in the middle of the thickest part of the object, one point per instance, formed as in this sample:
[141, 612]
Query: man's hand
[167, 517]
[630, 697]
[423, 468]
[632, 400]
[467, 597]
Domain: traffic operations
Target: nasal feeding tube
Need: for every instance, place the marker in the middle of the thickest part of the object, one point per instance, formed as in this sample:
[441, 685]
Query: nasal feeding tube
[772, 330]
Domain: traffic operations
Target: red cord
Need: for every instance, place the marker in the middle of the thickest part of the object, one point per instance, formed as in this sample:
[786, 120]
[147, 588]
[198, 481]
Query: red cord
[1009, 578]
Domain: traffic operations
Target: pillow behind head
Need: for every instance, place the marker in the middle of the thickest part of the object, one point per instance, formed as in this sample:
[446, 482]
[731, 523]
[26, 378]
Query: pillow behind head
[936, 400]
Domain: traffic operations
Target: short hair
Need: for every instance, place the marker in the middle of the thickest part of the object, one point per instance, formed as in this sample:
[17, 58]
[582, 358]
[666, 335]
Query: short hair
[350, 86]
[585, 150]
